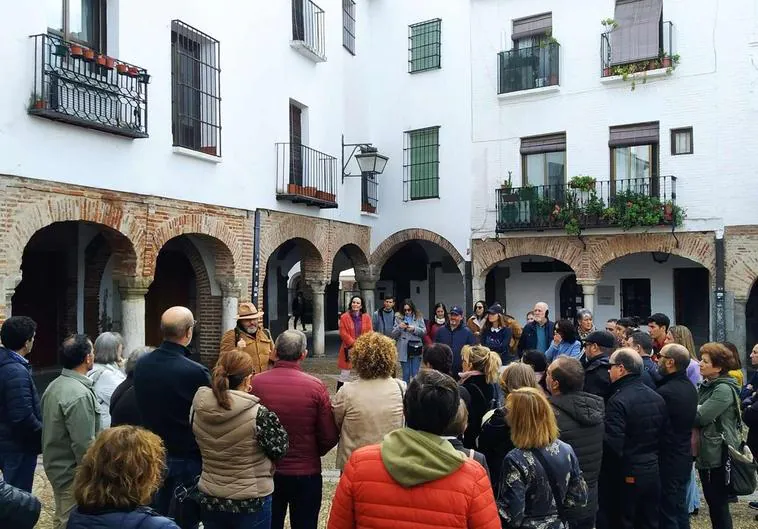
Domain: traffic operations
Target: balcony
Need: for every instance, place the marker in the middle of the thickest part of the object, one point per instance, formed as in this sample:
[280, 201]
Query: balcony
[528, 68]
[308, 30]
[306, 176]
[75, 85]
[586, 203]
[652, 53]
[369, 193]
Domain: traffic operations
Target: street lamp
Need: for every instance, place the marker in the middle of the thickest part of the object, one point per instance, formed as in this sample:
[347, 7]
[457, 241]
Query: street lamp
[369, 160]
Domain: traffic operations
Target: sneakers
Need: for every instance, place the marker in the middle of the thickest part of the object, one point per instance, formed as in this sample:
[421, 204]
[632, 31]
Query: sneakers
[753, 505]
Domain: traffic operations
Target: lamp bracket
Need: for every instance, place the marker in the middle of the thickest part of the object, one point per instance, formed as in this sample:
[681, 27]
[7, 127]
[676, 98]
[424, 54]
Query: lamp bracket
[345, 162]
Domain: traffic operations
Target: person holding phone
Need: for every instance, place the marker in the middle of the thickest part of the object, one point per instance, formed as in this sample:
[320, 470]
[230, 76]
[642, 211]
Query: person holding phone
[408, 331]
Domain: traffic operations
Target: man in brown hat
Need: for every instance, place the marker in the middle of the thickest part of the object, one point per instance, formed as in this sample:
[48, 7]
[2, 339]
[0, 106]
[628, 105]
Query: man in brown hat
[250, 336]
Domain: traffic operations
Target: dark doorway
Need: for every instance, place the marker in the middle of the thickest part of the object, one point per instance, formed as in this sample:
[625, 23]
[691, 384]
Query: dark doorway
[174, 284]
[408, 264]
[751, 319]
[571, 298]
[635, 298]
[692, 301]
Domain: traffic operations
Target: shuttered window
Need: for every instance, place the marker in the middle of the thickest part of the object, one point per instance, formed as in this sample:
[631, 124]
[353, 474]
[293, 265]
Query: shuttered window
[543, 160]
[531, 26]
[635, 134]
[544, 143]
[639, 33]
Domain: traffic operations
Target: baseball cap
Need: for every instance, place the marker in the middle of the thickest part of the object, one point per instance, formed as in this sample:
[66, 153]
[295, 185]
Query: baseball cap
[495, 309]
[455, 309]
[601, 338]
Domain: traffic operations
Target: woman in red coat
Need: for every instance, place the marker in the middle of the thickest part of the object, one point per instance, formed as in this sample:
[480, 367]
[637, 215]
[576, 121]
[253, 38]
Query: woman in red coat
[353, 323]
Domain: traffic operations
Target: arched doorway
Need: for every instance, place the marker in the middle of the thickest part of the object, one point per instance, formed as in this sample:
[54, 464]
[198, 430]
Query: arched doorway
[343, 283]
[751, 319]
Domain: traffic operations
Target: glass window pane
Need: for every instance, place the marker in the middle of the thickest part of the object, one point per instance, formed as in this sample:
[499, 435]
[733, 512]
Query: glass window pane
[556, 168]
[55, 14]
[535, 170]
[632, 167]
[81, 16]
[683, 142]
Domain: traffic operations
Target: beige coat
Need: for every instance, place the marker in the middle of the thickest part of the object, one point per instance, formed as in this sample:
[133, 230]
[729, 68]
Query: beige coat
[365, 411]
[234, 465]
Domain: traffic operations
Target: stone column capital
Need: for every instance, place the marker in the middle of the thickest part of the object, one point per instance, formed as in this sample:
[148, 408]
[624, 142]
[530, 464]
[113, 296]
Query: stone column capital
[134, 287]
[588, 285]
[367, 285]
[367, 273]
[231, 287]
[318, 286]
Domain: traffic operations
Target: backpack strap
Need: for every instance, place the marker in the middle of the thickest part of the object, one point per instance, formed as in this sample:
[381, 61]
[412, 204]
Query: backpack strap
[537, 453]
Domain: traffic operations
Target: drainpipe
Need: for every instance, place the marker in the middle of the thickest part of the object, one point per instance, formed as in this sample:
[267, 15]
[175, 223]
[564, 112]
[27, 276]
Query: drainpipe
[256, 257]
[468, 286]
[720, 294]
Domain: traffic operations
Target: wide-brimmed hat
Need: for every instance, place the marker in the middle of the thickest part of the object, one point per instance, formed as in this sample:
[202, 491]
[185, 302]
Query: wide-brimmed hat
[247, 311]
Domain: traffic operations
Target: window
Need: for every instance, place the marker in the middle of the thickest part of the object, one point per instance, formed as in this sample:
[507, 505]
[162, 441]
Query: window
[421, 164]
[639, 35]
[195, 90]
[348, 25]
[82, 21]
[544, 160]
[634, 157]
[681, 141]
[424, 41]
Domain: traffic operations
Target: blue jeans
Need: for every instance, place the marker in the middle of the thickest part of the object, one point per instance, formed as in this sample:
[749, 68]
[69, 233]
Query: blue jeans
[693, 493]
[18, 469]
[179, 471]
[410, 367]
[303, 496]
[231, 520]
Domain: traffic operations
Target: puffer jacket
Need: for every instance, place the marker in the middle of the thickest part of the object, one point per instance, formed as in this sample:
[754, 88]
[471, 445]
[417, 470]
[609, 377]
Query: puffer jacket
[676, 447]
[413, 479]
[20, 413]
[139, 518]
[581, 421]
[301, 401]
[635, 420]
[18, 508]
[260, 347]
[717, 414]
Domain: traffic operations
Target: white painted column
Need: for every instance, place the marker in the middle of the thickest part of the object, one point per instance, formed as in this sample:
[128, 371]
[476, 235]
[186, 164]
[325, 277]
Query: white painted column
[318, 287]
[133, 313]
[230, 290]
[589, 287]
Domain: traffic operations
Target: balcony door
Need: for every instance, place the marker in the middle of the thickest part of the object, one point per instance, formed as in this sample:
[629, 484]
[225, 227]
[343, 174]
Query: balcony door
[296, 145]
[634, 158]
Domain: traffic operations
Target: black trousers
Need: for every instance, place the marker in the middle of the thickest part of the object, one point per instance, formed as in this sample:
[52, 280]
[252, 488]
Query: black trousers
[674, 511]
[717, 494]
[302, 494]
[630, 503]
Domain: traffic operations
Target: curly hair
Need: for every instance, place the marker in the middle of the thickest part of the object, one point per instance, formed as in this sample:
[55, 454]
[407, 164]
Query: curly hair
[374, 356]
[122, 468]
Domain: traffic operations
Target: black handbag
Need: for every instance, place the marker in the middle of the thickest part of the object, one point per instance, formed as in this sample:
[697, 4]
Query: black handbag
[739, 464]
[415, 349]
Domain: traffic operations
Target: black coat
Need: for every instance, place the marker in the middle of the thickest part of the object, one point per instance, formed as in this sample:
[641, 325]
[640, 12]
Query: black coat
[165, 382]
[495, 443]
[680, 397]
[18, 508]
[477, 456]
[750, 418]
[580, 418]
[481, 395]
[528, 338]
[20, 414]
[597, 380]
[124, 408]
[635, 421]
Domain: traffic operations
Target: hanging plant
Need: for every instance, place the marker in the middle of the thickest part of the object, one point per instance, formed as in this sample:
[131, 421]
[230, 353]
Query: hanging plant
[583, 183]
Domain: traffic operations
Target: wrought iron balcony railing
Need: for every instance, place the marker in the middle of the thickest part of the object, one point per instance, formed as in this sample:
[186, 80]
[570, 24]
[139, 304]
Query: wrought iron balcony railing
[613, 62]
[369, 193]
[73, 84]
[306, 176]
[527, 68]
[308, 28]
[624, 203]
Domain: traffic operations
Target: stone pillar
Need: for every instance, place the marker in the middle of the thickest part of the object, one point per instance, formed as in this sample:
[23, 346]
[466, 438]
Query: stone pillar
[738, 334]
[477, 288]
[318, 287]
[8, 286]
[230, 291]
[589, 286]
[132, 293]
[367, 276]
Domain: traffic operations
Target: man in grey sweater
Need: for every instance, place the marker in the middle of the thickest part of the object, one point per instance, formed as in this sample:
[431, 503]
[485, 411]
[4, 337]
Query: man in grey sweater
[384, 318]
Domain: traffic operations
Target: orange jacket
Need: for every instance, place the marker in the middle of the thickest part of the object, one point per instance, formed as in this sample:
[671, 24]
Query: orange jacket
[347, 335]
[368, 497]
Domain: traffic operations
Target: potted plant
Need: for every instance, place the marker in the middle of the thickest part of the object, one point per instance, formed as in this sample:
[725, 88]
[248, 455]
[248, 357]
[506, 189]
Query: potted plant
[100, 60]
[76, 50]
[36, 102]
[309, 191]
[368, 208]
[294, 189]
[122, 68]
[133, 71]
[609, 24]
[88, 54]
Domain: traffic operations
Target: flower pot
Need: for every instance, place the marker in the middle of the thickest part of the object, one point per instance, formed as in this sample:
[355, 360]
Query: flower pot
[666, 62]
[110, 63]
[123, 69]
[330, 197]
[209, 149]
[553, 80]
[101, 60]
[133, 71]
[294, 189]
[89, 55]
[61, 50]
[368, 208]
[606, 72]
[76, 50]
[508, 197]
[309, 191]
[39, 104]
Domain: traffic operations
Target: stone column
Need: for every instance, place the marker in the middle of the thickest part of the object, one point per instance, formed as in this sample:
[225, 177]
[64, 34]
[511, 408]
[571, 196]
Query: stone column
[230, 291]
[132, 293]
[318, 287]
[8, 286]
[738, 335]
[589, 286]
[367, 276]
[477, 288]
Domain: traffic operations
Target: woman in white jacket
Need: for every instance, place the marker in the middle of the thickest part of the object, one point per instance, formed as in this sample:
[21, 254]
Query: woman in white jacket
[106, 375]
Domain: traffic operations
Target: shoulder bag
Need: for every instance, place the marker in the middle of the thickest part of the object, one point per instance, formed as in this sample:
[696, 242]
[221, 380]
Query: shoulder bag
[739, 463]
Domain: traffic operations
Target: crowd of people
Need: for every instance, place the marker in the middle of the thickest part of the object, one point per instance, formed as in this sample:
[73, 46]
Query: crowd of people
[448, 422]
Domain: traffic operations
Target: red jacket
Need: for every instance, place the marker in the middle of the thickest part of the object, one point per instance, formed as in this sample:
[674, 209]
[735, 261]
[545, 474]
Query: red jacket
[347, 335]
[368, 497]
[301, 402]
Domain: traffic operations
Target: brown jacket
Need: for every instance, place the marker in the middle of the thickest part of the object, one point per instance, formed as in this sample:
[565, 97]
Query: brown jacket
[234, 464]
[260, 347]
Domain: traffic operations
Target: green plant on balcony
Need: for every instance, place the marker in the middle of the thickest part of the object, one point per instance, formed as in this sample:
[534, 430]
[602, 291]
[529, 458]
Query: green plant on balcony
[632, 209]
[583, 183]
[548, 40]
[609, 24]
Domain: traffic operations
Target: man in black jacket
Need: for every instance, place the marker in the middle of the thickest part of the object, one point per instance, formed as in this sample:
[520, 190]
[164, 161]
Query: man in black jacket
[18, 508]
[165, 382]
[643, 344]
[580, 419]
[635, 421]
[675, 459]
[598, 347]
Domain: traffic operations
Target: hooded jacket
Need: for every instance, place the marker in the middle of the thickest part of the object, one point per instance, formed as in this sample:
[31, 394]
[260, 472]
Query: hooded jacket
[20, 413]
[717, 414]
[581, 421]
[413, 479]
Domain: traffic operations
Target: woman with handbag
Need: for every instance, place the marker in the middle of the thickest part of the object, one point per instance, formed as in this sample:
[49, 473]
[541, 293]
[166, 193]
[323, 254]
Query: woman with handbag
[409, 331]
[352, 324]
[718, 420]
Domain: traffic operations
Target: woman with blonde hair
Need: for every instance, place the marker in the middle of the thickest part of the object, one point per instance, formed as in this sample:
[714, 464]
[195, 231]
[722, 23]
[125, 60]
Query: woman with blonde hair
[116, 480]
[480, 370]
[540, 476]
[495, 439]
[239, 441]
[681, 334]
[367, 409]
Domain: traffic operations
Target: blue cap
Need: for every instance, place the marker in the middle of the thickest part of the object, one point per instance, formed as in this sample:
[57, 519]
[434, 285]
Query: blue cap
[455, 309]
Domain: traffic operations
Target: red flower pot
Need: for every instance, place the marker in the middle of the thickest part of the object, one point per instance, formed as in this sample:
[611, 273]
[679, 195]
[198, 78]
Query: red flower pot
[101, 60]
[123, 69]
[89, 55]
[294, 189]
[76, 50]
[133, 71]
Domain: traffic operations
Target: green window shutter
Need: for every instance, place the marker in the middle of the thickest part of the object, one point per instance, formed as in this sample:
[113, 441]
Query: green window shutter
[425, 44]
[424, 163]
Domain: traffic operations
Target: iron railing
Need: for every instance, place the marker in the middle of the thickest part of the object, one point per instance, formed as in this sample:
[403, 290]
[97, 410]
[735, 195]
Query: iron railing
[348, 25]
[613, 203]
[369, 192]
[305, 175]
[527, 68]
[425, 46]
[608, 66]
[75, 85]
[308, 26]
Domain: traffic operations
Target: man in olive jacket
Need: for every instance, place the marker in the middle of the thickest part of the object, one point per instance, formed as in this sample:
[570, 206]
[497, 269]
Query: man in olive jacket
[70, 422]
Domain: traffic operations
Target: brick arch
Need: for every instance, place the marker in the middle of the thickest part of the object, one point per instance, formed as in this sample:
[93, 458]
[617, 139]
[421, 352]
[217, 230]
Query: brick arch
[311, 235]
[565, 249]
[228, 250]
[355, 254]
[697, 247]
[127, 240]
[392, 243]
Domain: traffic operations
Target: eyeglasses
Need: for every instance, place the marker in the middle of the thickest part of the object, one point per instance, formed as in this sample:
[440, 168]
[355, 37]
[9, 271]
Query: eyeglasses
[612, 364]
[407, 310]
